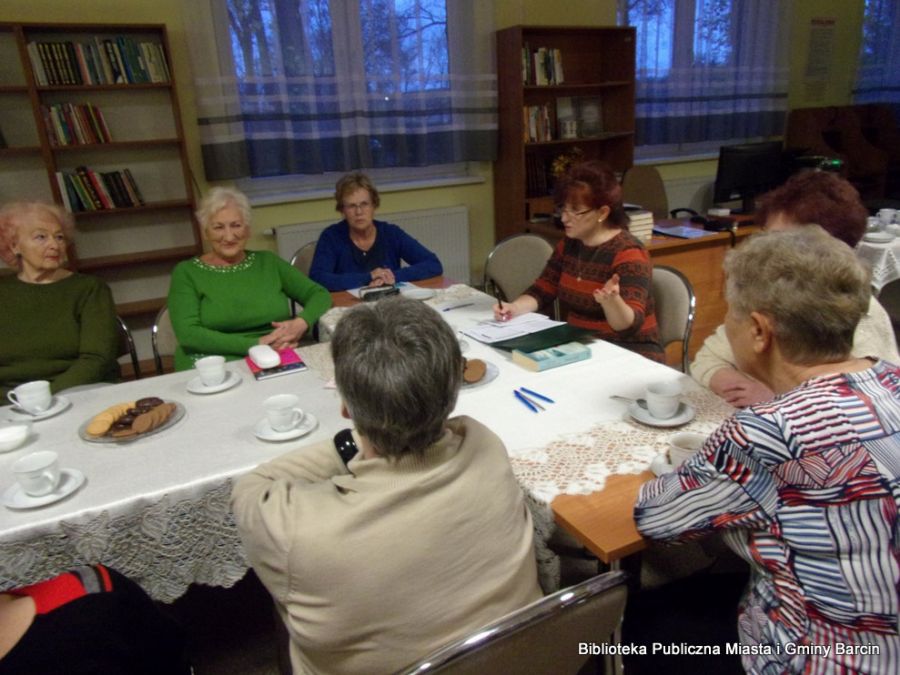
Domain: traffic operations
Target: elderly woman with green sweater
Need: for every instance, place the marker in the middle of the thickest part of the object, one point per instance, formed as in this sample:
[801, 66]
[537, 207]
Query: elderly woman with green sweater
[229, 299]
[57, 325]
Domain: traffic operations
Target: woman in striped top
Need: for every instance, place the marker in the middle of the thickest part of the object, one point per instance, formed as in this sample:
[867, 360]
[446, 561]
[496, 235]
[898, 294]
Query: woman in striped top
[805, 487]
[599, 272]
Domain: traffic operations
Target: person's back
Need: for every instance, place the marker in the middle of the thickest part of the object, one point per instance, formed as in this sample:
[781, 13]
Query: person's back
[375, 563]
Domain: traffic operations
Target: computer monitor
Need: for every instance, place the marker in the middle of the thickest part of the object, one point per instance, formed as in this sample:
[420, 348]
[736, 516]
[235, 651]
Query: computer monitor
[747, 171]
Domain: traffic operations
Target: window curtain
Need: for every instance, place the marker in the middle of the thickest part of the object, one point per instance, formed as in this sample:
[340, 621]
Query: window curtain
[708, 72]
[878, 76]
[311, 86]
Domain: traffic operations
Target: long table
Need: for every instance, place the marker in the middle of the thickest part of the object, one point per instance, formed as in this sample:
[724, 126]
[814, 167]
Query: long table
[157, 509]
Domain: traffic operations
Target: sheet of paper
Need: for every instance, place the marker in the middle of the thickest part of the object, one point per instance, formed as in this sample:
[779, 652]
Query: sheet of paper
[494, 331]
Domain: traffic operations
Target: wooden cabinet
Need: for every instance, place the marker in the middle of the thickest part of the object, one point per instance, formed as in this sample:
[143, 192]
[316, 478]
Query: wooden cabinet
[133, 248]
[596, 93]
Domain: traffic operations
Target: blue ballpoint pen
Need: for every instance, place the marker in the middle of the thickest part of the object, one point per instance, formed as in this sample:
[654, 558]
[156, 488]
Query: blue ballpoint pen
[537, 395]
[525, 402]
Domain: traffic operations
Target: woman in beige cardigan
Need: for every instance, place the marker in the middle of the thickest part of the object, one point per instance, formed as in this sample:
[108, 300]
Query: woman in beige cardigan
[810, 197]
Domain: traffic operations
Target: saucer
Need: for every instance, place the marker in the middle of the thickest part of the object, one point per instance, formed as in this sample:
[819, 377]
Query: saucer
[69, 481]
[879, 237]
[490, 374]
[264, 432]
[196, 385]
[60, 403]
[684, 415]
[417, 293]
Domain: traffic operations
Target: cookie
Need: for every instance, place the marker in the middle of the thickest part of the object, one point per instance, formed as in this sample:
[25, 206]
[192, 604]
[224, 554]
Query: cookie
[104, 421]
[153, 418]
[474, 370]
[148, 403]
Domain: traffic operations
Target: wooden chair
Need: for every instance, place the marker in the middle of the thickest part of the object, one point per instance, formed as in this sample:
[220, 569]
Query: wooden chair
[675, 304]
[541, 638]
[126, 347]
[162, 338]
[514, 263]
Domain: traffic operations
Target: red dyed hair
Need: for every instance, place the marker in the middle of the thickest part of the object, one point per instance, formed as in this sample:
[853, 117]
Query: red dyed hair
[595, 185]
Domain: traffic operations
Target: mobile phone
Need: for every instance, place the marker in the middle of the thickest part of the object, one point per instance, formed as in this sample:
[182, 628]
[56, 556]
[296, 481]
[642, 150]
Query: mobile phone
[378, 292]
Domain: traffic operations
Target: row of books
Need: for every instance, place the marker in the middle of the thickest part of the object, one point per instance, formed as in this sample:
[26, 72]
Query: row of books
[542, 66]
[115, 60]
[641, 225]
[538, 124]
[75, 124]
[89, 190]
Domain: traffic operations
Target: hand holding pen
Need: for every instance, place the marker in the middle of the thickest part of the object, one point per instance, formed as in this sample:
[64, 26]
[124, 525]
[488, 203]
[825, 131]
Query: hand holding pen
[501, 312]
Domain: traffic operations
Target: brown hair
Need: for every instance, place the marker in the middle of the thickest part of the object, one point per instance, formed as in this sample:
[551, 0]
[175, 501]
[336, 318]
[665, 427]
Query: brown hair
[15, 214]
[594, 184]
[352, 182]
[820, 198]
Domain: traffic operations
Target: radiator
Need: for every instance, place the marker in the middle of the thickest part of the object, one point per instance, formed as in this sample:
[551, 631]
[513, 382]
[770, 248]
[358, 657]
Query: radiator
[444, 231]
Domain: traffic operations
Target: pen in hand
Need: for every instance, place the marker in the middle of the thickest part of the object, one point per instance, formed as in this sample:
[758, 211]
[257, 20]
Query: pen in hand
[502, 314]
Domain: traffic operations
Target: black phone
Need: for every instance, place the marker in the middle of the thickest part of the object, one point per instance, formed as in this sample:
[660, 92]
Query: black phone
[377, 292]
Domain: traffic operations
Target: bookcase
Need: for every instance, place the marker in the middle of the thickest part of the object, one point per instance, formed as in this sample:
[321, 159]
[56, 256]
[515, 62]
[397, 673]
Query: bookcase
[131, 243]
[582, 109]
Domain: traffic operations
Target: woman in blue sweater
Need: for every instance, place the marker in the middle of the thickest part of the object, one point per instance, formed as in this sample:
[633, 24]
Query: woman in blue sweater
[362, 251]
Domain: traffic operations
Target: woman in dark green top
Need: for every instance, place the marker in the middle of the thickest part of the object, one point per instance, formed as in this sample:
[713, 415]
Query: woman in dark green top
[57, 325]
[229, 299]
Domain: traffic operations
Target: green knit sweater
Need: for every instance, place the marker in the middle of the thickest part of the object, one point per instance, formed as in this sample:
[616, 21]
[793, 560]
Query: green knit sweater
[225, 310]
[64, 332]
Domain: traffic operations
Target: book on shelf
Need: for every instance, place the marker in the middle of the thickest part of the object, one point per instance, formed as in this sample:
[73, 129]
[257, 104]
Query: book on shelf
[585, 111]
[551, 357]
[117, 60]
[74, 124]
[542, 66]
[89, 190]
[290, 363]
[537, 124]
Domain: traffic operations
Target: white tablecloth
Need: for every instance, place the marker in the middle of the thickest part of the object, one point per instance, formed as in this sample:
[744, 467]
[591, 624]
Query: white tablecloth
[157, 509]
[884, 260]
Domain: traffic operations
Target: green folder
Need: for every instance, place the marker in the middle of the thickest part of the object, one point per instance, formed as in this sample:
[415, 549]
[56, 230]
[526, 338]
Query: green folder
[543, 339]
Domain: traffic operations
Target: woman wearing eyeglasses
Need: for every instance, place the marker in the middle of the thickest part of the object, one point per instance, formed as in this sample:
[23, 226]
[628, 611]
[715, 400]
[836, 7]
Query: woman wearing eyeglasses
[599, 272]
[362, 251]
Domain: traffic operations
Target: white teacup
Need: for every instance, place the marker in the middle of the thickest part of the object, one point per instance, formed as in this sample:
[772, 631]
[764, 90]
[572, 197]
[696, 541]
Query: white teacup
[663, 399]
[886, 216]
[32, 397]
[283, 412]
[211, 369]
[683, 445]
[37, 473]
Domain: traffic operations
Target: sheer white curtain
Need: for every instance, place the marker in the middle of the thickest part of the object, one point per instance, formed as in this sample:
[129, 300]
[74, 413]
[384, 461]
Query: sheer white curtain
[708, 72]
[878, 77]
[313, 86]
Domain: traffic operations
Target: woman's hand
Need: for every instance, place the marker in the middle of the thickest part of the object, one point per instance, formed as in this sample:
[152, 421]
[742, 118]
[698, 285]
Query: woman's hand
[610, 290]
[738, 389]
[504, 311]
[382, 276]
[287, 334]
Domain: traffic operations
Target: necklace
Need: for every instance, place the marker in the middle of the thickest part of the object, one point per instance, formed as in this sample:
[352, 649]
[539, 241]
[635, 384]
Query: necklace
[582, 264]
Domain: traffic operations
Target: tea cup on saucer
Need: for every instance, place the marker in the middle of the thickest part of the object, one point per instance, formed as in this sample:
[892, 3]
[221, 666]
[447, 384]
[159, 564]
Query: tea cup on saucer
[32, 397]
[211, 369]
[283, 412]
[38, 472]
[683, 445]
[663, 399]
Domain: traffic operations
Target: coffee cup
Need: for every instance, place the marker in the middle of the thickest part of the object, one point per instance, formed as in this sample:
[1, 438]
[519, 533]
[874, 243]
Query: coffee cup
[663, 399]
[683, 445]
[886, 216]
[38, 472]
[211, 369]
[32, 397]
[283, 412]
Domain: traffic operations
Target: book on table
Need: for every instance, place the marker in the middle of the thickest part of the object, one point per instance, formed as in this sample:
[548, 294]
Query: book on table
[552, 357]
[290, 363]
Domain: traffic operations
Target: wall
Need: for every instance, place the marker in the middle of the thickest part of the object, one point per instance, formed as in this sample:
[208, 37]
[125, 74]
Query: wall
[479, 198]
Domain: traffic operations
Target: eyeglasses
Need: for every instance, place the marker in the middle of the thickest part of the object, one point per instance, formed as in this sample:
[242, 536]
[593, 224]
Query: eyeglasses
[572, 214]
[362, 206]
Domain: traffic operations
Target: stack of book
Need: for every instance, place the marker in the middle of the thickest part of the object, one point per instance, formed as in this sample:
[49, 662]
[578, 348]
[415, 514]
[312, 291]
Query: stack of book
[552, 357]
[111, 60]
[89, 190]
[641, 225]
[542, 66]
[75, 124]
[537, 124]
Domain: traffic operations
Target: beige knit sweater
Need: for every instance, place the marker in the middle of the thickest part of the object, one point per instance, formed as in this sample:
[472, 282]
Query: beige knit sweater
[372, 569]
[874, 337]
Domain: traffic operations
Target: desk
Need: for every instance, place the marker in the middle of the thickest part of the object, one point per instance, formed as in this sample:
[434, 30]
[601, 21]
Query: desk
[883, 260]
[157, 509]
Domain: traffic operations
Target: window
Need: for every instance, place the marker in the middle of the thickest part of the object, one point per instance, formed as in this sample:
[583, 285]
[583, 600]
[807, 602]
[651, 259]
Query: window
[317, 86]
[878, 79]
[708, 71]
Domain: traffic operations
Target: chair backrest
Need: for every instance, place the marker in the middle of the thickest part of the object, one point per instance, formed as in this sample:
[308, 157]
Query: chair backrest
[126, 347]
[643, 185]
[303, 257]
[540, 638]
[162, 338]
[515, 263]
[675, 304]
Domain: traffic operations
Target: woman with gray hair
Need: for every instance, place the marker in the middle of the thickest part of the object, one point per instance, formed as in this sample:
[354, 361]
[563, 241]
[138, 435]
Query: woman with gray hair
[804, 487]
[404, 534]
[229, 299]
